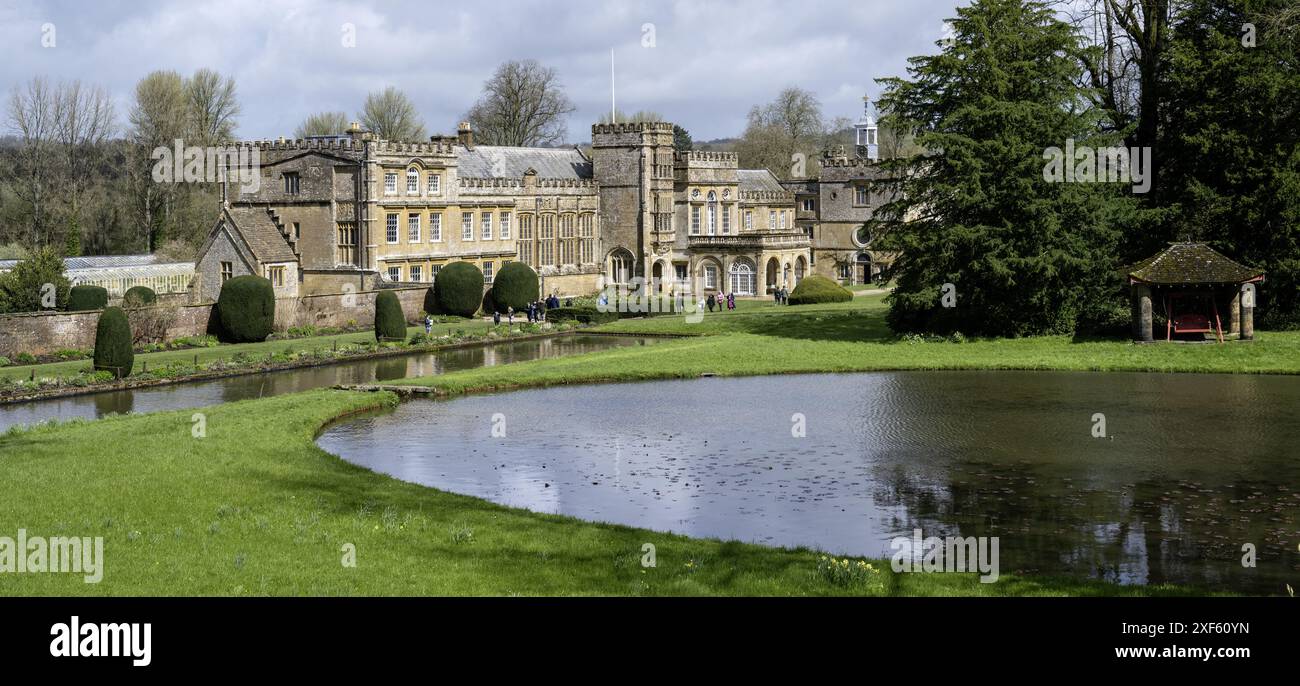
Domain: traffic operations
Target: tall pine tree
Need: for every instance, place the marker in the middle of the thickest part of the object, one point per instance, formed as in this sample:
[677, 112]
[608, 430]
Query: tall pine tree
[1026, 256]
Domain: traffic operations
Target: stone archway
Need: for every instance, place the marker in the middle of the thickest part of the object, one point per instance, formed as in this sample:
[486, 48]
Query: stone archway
[773, 274]
[800, 268]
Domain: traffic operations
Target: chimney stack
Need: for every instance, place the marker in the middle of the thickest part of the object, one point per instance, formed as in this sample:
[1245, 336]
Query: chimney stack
[465, 135]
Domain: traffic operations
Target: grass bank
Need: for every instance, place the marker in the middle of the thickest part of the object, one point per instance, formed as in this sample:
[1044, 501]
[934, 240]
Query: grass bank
[255, 508]
[226, 352]
[852, 337]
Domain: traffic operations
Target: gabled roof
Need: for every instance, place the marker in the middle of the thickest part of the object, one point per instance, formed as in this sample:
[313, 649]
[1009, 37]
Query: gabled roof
[266, 242]
[499, 161]
[1191, 263]
[759, 180]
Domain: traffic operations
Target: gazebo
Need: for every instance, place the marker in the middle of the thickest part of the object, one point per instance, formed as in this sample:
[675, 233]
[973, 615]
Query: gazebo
[1191, 284]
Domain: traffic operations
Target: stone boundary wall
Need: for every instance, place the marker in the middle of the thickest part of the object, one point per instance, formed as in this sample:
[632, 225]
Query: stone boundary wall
[43, 333]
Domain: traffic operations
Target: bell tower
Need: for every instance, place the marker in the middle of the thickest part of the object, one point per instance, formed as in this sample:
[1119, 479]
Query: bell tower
[866, 133]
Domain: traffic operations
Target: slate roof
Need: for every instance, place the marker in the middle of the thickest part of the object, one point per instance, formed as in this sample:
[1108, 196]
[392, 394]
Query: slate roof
[261, 234]
[759, 180]
[1191, 263]
[499, 161]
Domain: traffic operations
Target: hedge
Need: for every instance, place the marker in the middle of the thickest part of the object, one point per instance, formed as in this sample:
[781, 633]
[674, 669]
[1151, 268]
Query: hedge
[139, 296]
[458, 289]
[390, 323]
[585, 315]
[819, 289]
[87, 297]
[246, 309]
[514, 286]
[113, 343]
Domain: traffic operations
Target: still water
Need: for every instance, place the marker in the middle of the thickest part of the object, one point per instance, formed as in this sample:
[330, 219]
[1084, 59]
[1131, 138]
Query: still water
[1190, 469]
[203, 393]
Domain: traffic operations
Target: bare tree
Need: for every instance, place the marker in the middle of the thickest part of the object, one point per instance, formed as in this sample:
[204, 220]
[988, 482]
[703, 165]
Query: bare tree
[159, 116]
[33, 118]
[213, 107]
[522, 104]
[84, 122]
[322, 124]
[788, 126]
[392, 116]
[1128, 38]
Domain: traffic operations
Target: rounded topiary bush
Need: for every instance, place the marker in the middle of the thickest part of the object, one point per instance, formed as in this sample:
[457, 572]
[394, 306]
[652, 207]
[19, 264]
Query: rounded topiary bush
[514, 286]
[390, 323]
[819, 289]
[458, 289]
[246, 309]
[87, 297]
[113, 343]
[139, 296]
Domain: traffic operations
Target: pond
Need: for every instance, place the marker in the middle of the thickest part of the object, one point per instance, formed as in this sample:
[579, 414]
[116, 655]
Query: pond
[1189, 470]
[230, 389]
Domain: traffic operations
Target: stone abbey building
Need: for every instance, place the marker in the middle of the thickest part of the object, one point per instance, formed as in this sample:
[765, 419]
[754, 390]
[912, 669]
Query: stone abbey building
[351, 209]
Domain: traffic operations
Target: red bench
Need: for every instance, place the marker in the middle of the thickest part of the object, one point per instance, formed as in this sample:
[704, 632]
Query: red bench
[1192, 323]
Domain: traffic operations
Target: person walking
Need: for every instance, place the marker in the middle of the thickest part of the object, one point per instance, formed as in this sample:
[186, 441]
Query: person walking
[428, 325]
[731, 301]
[496, 317]
[710, 301]
[510, 314]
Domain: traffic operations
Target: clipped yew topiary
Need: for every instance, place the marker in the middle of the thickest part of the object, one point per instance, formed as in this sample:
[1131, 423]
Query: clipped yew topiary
[246, 309]
[113, 343]
[458, 289]
[819, 289]
[514, 286]
[139, 296]
[87, 297]
[390, 323]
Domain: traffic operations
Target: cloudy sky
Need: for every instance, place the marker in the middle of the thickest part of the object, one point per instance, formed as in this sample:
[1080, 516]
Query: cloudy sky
[710, 60]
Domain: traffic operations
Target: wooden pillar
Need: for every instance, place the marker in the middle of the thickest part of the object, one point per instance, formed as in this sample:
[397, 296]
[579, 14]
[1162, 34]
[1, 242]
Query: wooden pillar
[1247, 298]
[1141, 295]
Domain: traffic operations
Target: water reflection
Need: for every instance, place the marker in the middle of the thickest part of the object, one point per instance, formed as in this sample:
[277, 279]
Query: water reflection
[200, 394]
[1192, 466]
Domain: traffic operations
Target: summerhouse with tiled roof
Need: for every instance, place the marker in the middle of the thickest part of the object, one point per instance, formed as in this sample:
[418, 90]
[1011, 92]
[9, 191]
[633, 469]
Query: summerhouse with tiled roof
[1190, 284]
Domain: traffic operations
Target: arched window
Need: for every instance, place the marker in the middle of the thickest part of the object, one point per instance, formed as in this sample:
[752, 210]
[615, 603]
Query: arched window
[412, 181]
[799, 268]
[742, 277]
[620, 266]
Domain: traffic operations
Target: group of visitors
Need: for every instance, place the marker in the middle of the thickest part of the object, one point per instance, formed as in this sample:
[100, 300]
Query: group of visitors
[782, 296]
[722, 301]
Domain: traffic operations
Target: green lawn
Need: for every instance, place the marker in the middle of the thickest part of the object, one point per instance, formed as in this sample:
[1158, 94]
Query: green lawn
[226, 352]
[256, 508]
[846, 337]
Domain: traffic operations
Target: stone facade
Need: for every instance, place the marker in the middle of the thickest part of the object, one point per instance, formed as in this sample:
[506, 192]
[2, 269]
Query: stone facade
[351, 209]
[832, 208]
